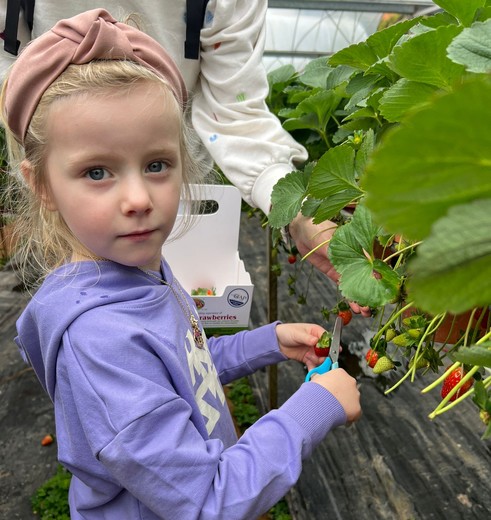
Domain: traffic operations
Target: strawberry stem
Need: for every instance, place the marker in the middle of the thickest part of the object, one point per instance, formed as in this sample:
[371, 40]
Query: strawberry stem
[398, 253]
[441, 378]
[325, 243]
[432, 327]
[486, 382]
[412, 371]
[454, 390]
[401, 380]
[484, 338]
[390, 321]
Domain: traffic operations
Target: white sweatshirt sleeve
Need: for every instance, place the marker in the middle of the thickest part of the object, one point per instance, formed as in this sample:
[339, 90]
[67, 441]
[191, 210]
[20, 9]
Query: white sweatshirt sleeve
[230, 114]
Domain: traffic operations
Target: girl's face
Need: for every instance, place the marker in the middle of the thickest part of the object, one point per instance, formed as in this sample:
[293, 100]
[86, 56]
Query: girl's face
[114, 172]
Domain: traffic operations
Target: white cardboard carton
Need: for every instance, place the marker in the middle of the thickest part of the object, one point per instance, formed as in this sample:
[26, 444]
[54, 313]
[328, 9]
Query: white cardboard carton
[207, 256]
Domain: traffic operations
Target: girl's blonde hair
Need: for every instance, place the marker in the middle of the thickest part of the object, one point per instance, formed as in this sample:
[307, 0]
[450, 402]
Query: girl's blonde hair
[45, 242]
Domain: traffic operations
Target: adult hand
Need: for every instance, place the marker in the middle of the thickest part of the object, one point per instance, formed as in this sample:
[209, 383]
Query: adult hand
[314, 239]
[297, 341]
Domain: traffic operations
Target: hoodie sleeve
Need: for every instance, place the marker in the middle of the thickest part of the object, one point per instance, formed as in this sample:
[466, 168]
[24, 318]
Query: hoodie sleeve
[241, 354]
[143, 429]
[164, 463]
[229, 110]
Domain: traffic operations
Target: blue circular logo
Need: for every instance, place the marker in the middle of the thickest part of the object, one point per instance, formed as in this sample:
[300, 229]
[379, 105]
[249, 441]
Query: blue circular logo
[238, 297]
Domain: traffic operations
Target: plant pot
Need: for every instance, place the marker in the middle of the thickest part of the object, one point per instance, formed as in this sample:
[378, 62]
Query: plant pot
[453, 326]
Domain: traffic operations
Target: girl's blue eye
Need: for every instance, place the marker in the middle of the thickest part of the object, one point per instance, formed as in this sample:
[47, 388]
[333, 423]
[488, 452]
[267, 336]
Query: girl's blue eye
[156, 167]
[96, 174]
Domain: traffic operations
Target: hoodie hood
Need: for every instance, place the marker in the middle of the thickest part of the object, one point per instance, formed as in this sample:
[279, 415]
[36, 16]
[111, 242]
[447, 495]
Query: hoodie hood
[67, 293]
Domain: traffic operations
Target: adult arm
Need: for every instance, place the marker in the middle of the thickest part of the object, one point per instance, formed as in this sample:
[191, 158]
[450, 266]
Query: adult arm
[229, 110]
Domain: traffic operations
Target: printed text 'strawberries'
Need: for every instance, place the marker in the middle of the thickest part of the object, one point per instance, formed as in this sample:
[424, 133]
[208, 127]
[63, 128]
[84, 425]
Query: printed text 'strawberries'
[452, 380]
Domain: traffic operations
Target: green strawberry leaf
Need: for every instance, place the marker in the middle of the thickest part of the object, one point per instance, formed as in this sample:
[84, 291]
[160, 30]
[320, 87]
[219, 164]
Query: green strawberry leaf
[281, 75]
[427, 164]
[463, 11]
[331, 206]
[334, 172]
[333, 182]
[364, 153]
[339, 75]
[369, 284]
[382, 42]
[359, 88]
[364, 279]
[438, 19]
[310, 206]
[484, 13]
[472, 48]
[287, 196]
[358, 55]
[314, 112]
[487, 433]
[480, 394]
[476, 355]
[424, 58]
[402, 97]
[452, 267]
[316, 73]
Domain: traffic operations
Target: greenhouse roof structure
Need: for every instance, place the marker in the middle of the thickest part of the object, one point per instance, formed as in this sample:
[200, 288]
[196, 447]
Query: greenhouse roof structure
[381, 6]
[298, 31]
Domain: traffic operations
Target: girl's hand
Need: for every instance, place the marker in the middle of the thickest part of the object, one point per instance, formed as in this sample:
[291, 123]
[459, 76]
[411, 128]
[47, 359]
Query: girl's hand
[297, 341]
[344, 388]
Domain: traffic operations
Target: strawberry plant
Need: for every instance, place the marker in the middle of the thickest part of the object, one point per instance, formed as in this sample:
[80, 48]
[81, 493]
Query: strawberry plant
[400, 159]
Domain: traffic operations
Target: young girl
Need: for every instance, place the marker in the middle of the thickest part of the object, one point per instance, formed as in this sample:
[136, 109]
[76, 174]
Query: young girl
[93, 112]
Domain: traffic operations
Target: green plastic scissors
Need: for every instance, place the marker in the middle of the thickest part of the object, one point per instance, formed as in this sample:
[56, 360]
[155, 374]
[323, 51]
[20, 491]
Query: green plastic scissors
[331, 361]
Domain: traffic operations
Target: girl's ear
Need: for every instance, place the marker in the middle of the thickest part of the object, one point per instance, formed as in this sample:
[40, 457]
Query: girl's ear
[28, 173]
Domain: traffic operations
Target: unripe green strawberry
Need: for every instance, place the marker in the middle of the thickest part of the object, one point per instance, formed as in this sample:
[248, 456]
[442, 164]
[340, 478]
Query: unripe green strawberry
[422, 363]
[383, 365]
[414, 333]
[485, 417]
[402, 340]
[390, 335]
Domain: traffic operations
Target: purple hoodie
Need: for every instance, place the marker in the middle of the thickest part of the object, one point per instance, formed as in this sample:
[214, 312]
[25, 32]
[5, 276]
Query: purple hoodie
[141, 417]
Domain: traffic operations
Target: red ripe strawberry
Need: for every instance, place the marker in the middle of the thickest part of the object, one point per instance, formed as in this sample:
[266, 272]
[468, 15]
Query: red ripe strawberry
[323, 345]
[371, 357]
[292, 258]
[452, 380]
[321, 351]
[47, 440]
[345, 315]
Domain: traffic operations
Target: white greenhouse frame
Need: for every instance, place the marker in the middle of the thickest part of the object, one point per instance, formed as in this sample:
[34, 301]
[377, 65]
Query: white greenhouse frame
[298, 31]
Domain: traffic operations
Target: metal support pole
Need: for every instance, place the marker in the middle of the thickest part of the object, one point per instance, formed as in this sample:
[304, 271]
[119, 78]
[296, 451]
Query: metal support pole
[272, 255]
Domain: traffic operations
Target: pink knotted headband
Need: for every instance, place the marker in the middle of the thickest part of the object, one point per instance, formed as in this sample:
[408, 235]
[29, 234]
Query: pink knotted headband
[86, 37]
